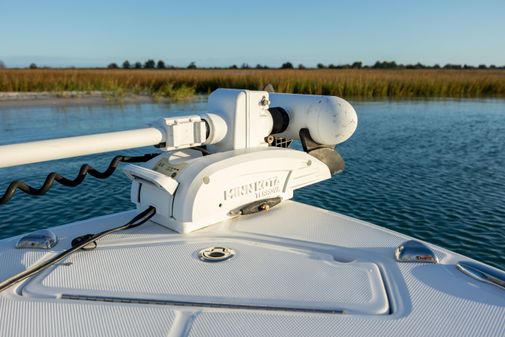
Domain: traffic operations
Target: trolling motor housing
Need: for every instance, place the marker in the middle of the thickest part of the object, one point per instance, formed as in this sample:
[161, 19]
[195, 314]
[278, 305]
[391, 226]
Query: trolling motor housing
[233, 160]
[240, 170]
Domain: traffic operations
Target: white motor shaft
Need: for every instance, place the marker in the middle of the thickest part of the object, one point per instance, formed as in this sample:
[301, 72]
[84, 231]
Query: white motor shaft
[170, 133]
[53, 149]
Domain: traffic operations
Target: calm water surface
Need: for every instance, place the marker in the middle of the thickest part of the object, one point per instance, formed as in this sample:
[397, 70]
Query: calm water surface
[431, 169]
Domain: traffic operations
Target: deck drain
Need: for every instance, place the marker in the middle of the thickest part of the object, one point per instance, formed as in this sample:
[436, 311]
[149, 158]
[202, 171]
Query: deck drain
[216, 254]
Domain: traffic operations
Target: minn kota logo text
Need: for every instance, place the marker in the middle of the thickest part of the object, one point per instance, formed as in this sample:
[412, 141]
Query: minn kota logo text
[261, 188]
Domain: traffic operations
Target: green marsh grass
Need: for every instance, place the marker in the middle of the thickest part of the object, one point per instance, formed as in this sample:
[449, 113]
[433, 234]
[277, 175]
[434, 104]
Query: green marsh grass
[183, 83]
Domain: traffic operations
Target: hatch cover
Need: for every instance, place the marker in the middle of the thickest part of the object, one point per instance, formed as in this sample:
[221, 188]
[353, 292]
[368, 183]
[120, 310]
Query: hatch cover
[259, 276]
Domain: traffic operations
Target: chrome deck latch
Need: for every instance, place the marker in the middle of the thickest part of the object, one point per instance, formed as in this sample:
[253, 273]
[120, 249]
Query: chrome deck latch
[482, 273]
[415, 251]
[41, 239]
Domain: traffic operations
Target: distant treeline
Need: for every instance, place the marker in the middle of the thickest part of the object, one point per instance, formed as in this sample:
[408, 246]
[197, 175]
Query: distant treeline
[160, 64]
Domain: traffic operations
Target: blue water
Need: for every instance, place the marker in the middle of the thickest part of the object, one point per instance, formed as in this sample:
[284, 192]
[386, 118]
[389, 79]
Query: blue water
[431, 169]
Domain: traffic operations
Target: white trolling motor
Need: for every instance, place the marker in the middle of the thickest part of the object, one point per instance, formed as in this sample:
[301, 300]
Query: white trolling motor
[233, 160]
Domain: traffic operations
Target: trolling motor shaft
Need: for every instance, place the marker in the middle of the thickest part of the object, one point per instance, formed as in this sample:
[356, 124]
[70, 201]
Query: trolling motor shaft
[45, 150]
[171, 133]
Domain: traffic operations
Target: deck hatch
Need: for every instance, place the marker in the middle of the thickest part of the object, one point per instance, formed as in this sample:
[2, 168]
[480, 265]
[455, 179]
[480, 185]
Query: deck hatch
[261, 275]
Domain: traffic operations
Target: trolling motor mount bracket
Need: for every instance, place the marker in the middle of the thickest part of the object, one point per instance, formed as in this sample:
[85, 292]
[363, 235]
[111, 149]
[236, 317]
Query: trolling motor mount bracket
[325, 153]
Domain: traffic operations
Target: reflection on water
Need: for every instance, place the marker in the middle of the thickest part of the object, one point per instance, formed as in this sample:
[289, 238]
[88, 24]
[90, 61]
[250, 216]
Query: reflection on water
[431, 169]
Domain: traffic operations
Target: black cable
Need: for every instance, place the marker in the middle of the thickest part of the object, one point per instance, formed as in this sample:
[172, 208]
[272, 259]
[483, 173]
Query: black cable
[77, 244]
[202, 149]
[85, 169]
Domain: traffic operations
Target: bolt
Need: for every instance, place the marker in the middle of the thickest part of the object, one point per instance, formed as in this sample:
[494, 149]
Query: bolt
[269, 139]
[264, 101]
[264, 207]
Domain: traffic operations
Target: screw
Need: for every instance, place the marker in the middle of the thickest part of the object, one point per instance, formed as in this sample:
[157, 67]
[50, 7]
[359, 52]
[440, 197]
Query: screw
[264, 101]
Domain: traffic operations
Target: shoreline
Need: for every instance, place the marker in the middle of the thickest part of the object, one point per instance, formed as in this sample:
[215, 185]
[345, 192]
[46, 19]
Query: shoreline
[75, 98]
[66, 98]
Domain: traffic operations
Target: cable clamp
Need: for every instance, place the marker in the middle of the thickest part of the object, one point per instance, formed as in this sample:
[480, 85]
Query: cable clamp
[182, 132]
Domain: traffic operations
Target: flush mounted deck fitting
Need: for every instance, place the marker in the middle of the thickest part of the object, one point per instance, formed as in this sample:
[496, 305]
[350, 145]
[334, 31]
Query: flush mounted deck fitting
[216, 254]
[415, 251]
[41, 239]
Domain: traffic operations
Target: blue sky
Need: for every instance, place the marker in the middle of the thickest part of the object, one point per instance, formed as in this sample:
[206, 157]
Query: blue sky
[221, 33]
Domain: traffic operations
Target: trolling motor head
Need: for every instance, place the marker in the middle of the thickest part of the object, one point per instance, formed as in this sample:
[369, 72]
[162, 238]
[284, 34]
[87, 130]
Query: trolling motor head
[244, 165]
[240, 119]
[319, 122]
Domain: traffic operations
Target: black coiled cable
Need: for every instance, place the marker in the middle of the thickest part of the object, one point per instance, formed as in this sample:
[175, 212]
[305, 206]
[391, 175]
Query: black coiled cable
[85, 169]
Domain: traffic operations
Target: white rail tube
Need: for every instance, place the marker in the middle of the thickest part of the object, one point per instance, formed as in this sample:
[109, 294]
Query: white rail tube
[45, 150]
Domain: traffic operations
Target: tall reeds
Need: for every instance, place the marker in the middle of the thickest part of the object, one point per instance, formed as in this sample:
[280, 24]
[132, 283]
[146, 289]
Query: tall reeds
[366, 83]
